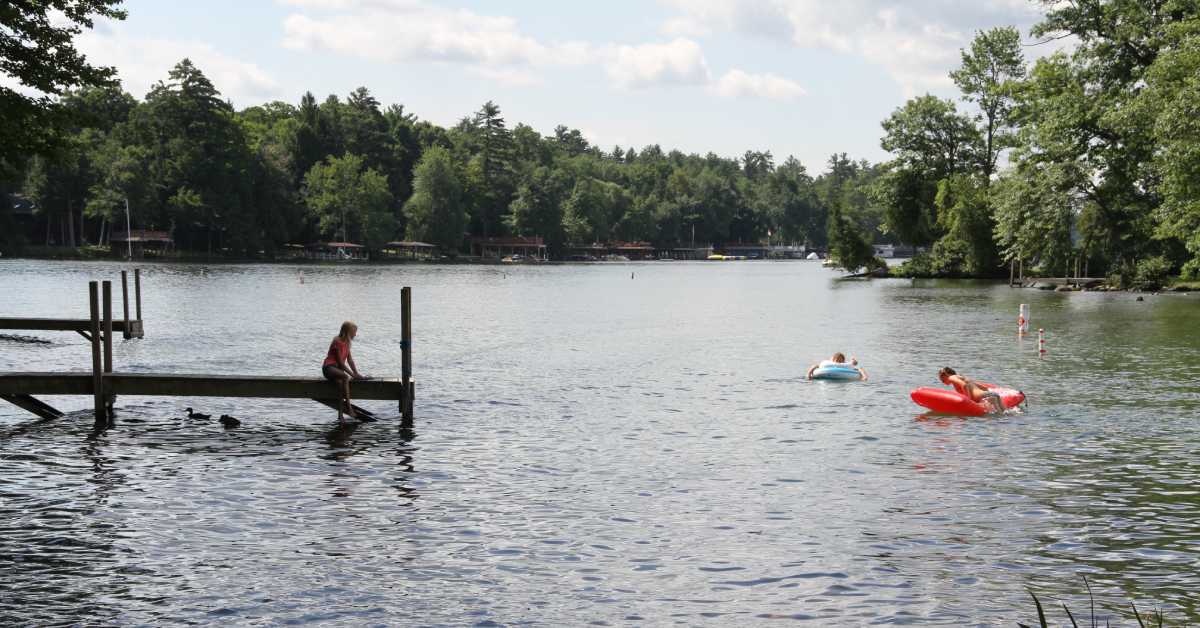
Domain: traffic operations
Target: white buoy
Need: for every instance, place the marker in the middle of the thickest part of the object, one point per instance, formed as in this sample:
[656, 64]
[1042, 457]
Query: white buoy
[1041, 343]
[1023, 320]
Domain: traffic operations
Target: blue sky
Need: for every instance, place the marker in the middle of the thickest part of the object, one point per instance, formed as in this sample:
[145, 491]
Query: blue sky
[796, 77]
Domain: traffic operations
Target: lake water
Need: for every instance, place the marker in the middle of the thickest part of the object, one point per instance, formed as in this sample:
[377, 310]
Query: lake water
[606, 444]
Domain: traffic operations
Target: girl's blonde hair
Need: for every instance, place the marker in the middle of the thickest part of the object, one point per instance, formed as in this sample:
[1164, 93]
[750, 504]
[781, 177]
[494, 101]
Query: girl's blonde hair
[347, 327]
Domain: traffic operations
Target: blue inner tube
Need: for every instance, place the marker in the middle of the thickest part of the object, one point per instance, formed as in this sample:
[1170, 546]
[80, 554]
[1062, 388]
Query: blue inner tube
[836, 372]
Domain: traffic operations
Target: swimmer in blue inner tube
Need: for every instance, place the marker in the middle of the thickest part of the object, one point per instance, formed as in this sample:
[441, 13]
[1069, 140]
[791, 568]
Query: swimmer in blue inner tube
[839, 359]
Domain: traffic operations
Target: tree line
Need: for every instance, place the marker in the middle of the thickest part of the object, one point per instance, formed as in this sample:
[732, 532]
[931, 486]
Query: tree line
[349, 169]
[1087, 156]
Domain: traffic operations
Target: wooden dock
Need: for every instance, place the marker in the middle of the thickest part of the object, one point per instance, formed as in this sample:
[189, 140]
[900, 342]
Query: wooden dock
[1017, 278]
[19, 388]
[130, 327]
[104, 384]
[1077, 282]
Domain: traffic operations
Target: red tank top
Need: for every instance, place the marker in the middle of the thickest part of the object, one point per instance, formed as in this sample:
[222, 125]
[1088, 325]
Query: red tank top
[339, 352]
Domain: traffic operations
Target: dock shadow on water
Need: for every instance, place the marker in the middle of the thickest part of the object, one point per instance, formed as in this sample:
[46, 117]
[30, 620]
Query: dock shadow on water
[590, 449]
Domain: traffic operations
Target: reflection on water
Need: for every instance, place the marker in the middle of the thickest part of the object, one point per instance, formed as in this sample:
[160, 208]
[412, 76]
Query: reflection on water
[592, 448]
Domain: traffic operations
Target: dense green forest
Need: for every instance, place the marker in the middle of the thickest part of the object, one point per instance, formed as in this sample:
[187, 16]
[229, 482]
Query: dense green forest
[349, 168]
[1088, 155]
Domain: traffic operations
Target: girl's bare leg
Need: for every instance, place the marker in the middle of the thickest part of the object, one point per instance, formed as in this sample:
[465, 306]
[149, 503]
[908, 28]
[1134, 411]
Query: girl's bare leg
[346, 396]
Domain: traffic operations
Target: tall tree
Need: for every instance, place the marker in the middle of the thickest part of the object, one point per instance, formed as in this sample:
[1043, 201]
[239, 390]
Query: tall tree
[1035, 214]
[200, 163]
[436, 212]
[538, 208]
[849, 246]
[1172, 100]
[122, 177]
[965, 215]
[906, 195]
[928, 133]
[1080, 111]
[350, 200]
[37, 49]
[790, 202]
[757, 164]
[987, 77]
[495, 165]
[932, 141]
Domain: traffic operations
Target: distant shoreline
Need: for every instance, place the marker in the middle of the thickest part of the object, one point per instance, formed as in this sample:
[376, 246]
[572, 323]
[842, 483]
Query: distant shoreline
[1173, 284]
[83, 254]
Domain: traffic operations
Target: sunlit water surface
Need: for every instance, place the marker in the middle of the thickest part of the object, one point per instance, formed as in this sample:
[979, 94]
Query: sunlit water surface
[606, 444]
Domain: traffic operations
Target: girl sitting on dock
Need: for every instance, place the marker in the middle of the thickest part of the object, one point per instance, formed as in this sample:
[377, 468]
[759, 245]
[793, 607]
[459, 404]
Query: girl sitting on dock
[339, 367]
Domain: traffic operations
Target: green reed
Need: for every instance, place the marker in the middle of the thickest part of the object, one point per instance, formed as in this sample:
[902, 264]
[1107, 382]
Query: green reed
[1156, 617]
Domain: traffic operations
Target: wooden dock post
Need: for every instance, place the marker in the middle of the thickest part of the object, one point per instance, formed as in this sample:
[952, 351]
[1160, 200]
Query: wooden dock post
[137, 295]
[106, 290]
[109, 398]
[125, 303]
[97, 366]
[406, 401]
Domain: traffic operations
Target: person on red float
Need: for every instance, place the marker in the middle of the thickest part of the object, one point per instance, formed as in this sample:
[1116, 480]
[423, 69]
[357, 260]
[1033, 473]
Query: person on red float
[970, 389]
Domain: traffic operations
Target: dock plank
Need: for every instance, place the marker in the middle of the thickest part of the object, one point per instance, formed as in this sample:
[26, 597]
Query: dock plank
[197, 385]
[63, 324]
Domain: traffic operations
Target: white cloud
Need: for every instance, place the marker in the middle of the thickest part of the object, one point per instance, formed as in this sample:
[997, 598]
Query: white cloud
[916, 42]
[511, 77]
[680, 62]
[736, 83]
[142, 62]
[684, 26]
[495, 48]
[410, 30]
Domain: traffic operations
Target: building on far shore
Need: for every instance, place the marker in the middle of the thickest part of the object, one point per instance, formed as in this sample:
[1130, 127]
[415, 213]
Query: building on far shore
[507, 246]
[336, 251]
[748, 251]
[631, 250]
[409, 250]
[685, 253]
[585, 252]
[141, 243]
[787, 251]
[765, 251]
[894, 250]
[612, 251]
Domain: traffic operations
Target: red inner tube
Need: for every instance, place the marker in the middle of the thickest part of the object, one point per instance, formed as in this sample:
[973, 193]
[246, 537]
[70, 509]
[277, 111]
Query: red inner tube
[952, 402]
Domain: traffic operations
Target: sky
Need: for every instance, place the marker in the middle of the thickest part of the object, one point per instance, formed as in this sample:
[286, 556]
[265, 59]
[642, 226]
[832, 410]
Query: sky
[796, 77]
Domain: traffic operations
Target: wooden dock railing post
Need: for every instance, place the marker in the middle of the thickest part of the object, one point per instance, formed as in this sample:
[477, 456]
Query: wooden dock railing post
[125, 303]
[97, 367]
[406, 401]
[106, 290]
[109, 398]
[137, 296]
